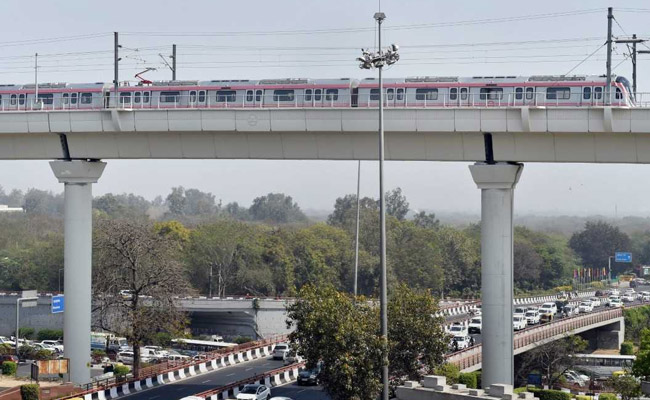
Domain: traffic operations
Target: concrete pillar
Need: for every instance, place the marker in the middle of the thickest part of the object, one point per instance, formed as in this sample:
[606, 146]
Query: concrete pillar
[77, 176]
[497, 183]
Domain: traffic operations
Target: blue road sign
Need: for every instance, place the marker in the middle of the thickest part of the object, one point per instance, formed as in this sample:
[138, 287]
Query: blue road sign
[623, 257]
[58, 304]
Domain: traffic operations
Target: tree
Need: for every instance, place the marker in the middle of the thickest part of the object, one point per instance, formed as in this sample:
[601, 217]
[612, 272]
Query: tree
[427, 221]
[176, 201]
[597, 242]
[626, 386]
[552, 359]
[277, 208]
[343, 332]
[43, 202]
[641, 367]
[131, 256]
[199, 203]
[396, 204]
[527, 264]
[122, 205]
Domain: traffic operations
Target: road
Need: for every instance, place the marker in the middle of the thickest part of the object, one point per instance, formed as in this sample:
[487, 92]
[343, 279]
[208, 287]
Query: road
[295, 392]
[207, 381]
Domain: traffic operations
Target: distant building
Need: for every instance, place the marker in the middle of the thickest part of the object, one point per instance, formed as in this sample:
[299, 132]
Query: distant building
[6, 208]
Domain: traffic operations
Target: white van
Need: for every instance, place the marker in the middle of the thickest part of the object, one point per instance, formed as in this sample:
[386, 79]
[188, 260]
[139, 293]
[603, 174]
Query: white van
[280, 351]
[548, 308]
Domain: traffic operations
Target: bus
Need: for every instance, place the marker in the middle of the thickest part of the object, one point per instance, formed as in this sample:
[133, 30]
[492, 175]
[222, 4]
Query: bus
[602, 366]
[195, 346]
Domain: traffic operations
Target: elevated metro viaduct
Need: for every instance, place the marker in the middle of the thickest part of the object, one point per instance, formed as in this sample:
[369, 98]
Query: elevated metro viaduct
[78, 139]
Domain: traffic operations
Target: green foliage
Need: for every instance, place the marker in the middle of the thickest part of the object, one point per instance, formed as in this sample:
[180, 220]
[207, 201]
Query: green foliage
[582, 397]
[627, 348]
[5, 349]
[597, 242]
[50, 334]
[121, 370]
[626, 386]
[27, 332]
[450, 371]
[641, 366]
[9, 368]
[242, 339]
[546, 394]
[468, 379]
[597, 285]
[162, 339]
[607, 396]
[30, 391]
[97, 354]
[276, 208]
[636, 319]
[520, 390]
[551, 358]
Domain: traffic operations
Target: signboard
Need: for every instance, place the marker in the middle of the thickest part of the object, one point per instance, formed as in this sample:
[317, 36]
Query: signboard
[535, 379]
[29, 293]
[31, 298]
[58, 304]
[646, 270]
[53, 367]
[622, 257]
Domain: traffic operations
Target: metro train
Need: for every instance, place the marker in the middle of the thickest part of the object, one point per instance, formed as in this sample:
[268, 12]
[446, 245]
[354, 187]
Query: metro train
[424, 91]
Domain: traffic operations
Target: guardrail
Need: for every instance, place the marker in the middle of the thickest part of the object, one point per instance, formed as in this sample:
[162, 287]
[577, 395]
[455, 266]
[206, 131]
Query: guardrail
[165, 368]
[265, 379]
[471, 356]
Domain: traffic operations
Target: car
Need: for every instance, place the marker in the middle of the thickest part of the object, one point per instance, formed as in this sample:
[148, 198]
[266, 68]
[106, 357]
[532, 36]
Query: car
[475, 325]
[45, 347]
[615, 302]
[585, 307]
[614, 292]
[458, 329]
[628, 298]
[520, 311]
[595, 302]
[575, 378]
[645, 296]
[532, 317]
[293, 359]
[254, 392]
[280, 351]
[8, 357]
[570, 310]
[310, 376]
[518, 322]
[460, 342]
[56, 344]
[161, 352]
[126, 357]
[549, 307]
[280, 398]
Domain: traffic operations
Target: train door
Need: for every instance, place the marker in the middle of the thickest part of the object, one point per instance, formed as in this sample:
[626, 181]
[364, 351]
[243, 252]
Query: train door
[529, 96]
[586, 98]
[400, 97]
[518, 96]
[463, 97]
[252, 98]
[318, 98]
[598, 95]
[390, 97]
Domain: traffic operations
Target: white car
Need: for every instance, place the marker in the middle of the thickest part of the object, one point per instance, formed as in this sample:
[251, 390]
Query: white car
[595, 302]
[280, 351]
[615, 302]
[56, 344]
[126, 357]
[585, 307]
[532, 317]
[645, 296]
[518, 322]
[45, 347]
[254, 392]
[520, 311]
[458, 330]
[460, 342]
[548, 308]
[475, 325]
[628, 297]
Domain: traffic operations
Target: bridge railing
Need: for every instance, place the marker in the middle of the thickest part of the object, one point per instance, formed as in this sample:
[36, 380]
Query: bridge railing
[471, 356]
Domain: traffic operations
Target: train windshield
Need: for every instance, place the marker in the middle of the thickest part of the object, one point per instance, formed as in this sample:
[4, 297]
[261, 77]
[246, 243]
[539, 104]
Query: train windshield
[626, 84]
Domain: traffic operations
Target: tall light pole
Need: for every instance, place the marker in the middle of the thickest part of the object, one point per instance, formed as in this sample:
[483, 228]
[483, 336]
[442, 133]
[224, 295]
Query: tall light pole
[356, 233]
[368, 61]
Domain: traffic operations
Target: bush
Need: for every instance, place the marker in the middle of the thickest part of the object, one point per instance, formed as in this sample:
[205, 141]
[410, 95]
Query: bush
[6, 349]
[597, 285]
[121, 370]
[9, 368]
[627, 348]
[520, 389]
[242, 339]
[468, 379]
[450, 371]
[162, 339]
[30, 391]
[607, 396]
[49, 334]
[27, 332]
[581, 397]
[479, 380]
[544, 394]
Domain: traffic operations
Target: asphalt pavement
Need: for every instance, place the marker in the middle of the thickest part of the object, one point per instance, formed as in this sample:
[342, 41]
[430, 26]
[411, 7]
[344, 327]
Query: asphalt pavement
[208, 381]
[296, 392]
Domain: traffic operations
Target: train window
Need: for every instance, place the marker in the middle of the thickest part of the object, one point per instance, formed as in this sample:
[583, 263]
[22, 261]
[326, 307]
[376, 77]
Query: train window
[519, 93]
[145, 97]
[64, 98]
[46, 98]
[400, 94]
[193, 96]
[529, 93]
[374, 94]
[307, 94]
[137, 97]
[426, 94]
[12, 100]
[491, 93]
[284, 95]
[318, 94]
[170, 96]
[598, 92]
[558, 93]
[390, 94]
[586, 93]
[21, 99]
[249, 95]
[619, 94]
[258, 95]
[125, 97]
[73, 98]
[201, 96]
[464, 93]
[226, 96]
[332, 94]
[86, 98]
[453, 94]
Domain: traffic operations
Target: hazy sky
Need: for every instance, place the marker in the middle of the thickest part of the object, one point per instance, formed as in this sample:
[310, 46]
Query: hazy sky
[258, 39]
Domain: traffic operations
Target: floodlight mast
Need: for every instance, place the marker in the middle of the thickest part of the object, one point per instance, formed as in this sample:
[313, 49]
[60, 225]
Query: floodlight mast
[377, 60]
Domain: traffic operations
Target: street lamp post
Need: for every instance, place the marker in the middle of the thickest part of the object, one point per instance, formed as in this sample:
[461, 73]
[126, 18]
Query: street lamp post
[368, 61]
[60, 269]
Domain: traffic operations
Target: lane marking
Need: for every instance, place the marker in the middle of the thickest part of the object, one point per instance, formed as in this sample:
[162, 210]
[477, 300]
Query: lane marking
[248, 369]
[153, 397]
[231, 374]
[206, 381]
